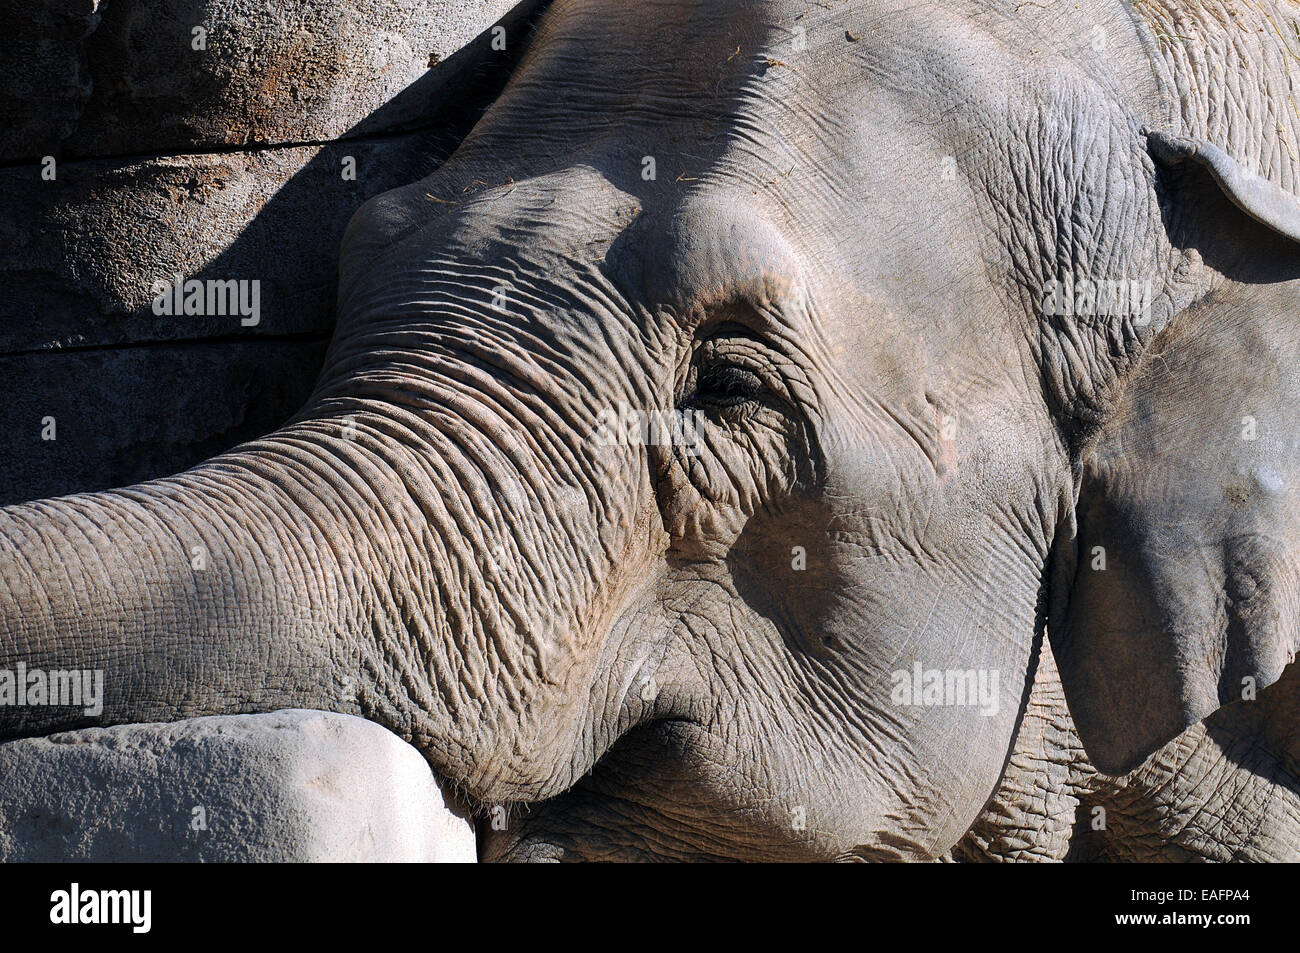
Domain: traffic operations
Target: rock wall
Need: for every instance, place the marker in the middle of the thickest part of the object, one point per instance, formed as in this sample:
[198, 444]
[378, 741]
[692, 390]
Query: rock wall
[211, 140]
[290, 786]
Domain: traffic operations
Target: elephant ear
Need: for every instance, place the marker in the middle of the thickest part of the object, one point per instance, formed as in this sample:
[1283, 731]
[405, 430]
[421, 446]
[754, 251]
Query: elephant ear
[1180, 591]
[1259, 198]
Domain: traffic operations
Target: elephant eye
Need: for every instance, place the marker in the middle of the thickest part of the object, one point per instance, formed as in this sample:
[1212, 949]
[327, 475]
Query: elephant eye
[731, 373]
[727, 386]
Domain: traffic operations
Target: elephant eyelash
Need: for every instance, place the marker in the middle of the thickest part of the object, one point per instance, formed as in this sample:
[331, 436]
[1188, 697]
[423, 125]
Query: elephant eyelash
[727, 386]
[730, 375]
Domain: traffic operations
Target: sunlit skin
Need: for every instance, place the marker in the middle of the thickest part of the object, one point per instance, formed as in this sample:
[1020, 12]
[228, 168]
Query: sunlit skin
[835, 267]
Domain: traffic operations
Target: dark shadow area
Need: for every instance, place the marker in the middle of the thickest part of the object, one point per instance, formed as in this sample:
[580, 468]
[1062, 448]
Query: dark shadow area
[153, 395]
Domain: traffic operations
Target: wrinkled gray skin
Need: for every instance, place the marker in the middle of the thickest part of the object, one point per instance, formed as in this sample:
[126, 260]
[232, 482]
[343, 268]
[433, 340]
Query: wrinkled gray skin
[621, 633]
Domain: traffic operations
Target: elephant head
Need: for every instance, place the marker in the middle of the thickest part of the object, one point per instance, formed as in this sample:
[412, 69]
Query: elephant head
[705, 447]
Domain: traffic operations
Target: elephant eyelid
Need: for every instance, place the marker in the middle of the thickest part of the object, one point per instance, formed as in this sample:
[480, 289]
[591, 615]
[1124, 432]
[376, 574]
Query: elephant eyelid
[728, 385]
[734, 370]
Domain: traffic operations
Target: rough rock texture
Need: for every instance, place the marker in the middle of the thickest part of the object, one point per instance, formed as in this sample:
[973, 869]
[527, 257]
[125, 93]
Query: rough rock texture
[287, 786]
[110, 229]
[239, 162]
[93, 78]
[121, 416]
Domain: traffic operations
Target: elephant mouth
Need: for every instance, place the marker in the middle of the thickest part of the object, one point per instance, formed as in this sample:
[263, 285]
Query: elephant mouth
[604, 814]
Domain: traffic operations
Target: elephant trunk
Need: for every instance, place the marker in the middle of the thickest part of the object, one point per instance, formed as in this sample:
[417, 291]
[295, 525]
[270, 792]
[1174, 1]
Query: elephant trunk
[220, 590]
[436, 544]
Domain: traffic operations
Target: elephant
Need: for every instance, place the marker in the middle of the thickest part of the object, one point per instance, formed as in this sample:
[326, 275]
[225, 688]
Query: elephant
[781, 431]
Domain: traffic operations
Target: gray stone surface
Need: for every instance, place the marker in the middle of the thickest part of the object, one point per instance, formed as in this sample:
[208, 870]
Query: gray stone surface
[126, 415]
[287, 786]
[221, 164]
[79, 255]
[94, 78]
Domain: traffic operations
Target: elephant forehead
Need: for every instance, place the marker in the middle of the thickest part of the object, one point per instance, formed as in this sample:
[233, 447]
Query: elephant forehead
[675, 73]
[687, 33]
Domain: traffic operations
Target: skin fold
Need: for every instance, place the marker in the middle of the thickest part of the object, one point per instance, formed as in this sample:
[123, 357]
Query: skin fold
[823, 234]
